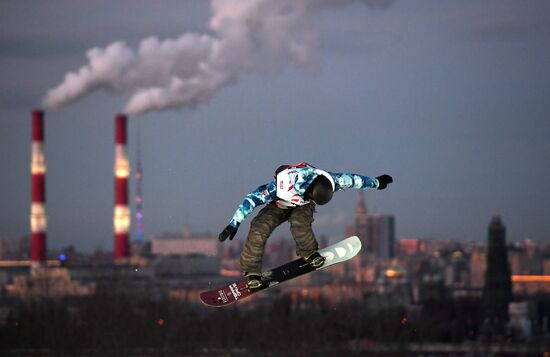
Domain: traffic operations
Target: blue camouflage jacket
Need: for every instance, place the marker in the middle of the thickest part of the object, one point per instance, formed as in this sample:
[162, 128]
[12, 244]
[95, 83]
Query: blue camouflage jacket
[289, 186]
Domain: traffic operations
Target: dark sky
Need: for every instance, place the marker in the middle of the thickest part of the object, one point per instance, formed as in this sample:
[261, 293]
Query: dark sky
[451, 98]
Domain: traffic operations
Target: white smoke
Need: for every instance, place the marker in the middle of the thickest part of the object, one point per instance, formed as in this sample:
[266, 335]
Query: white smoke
[246, 36]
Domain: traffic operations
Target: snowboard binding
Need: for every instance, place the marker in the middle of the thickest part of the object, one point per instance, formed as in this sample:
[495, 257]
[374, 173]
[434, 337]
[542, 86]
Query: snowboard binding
[315, 260]
[253, 281]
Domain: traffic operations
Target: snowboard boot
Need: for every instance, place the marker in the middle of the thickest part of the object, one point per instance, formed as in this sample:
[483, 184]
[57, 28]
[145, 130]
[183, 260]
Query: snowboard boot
[253, 281]
[315, 260]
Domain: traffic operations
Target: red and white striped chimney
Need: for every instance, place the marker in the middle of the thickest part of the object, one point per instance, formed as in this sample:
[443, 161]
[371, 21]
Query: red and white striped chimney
[38, 205]
[122, 171]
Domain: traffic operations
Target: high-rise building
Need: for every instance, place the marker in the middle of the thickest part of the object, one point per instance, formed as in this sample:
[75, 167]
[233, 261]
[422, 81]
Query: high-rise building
[497, 292]
[376, 232]
[383, 235]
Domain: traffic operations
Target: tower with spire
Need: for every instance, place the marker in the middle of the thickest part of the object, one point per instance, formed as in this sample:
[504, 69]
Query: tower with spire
[363, 227]
[376, 232]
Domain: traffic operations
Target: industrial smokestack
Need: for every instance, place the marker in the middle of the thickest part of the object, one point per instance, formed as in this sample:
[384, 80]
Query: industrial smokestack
[38, 188]
[122, 171]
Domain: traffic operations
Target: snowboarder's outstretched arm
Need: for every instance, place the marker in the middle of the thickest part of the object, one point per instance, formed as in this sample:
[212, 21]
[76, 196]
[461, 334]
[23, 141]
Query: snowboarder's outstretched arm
[345, 181]
[262, 195]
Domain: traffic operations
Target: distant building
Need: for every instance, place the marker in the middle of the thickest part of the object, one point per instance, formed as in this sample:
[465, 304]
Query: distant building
[530, 285]
[48, 283]
[362, 227]
[497, 292]
[457, 272]
[280, 251]
[16, 248]
[185, 244]
[525, 258]
[408, 246]
[376, 232]
[478, 265]
[383, 235]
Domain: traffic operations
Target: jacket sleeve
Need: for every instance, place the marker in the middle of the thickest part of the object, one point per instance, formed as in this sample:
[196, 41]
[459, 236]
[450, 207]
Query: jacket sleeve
[344, 181]
[262, 195]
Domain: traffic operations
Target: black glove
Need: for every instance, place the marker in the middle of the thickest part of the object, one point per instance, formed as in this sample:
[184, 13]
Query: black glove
[384, 181]
[228, 232]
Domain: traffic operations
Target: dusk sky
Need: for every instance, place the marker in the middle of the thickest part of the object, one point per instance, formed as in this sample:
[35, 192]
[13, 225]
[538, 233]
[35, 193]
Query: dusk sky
[451, 98]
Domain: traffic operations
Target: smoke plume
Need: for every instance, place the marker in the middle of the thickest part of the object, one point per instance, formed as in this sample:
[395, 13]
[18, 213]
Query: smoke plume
[245, 36]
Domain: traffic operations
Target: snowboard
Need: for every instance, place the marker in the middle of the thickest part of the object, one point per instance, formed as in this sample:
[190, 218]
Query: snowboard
[236, 291]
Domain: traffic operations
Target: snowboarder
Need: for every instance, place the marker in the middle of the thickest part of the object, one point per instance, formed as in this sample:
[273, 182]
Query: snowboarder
[292, 196]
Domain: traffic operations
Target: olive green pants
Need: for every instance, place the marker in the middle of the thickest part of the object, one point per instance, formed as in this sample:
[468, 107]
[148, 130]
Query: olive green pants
[261, 227]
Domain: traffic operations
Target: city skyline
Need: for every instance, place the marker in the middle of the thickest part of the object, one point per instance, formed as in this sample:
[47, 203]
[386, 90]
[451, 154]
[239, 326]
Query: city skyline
[450, 99]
